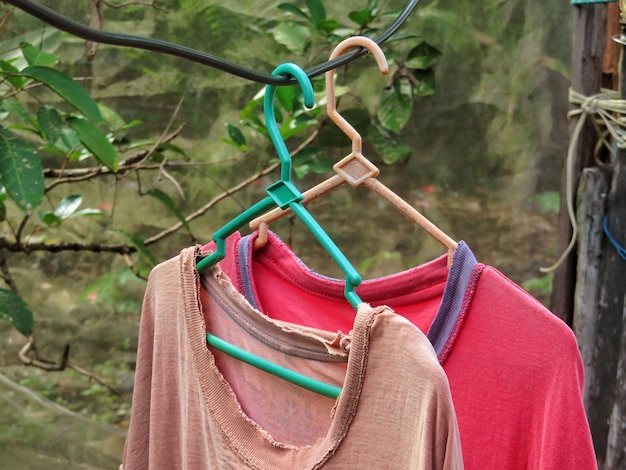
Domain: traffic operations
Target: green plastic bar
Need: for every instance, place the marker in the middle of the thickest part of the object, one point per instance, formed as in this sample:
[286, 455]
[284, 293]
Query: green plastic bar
[231, 227]
[353, 278]
[282, 194]
[272, 368]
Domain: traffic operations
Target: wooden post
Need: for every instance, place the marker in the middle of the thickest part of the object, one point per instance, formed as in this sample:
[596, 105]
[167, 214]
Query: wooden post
[616, 447]
[591, 202]
[609, 322]
[608, 397]
[587, 57]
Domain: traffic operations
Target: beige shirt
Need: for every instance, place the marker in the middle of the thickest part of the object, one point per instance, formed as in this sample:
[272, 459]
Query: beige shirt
[196, 408]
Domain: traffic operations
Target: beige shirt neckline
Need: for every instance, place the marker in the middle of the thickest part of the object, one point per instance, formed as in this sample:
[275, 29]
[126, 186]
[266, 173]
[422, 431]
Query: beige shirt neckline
[252, 443]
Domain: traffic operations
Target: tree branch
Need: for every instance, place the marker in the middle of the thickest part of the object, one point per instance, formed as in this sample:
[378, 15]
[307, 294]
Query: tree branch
[124, 164]
[18, 247]
[225, 194]
[30, 349]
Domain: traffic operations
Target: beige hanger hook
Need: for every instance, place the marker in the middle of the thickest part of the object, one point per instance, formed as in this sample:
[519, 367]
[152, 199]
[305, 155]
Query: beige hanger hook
[261, 223]
[331, 105]
[355, 169]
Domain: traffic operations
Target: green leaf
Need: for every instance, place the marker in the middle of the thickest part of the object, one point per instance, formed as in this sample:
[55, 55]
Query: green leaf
[50, 123]
[316, 8]
[286, 96]
[112, 118]
[12, 71]
[331, 136]
[422, 56]
[308, 161]
[237, 136]
[328, 25]
[307, 154]
[68, 206]
[391, 13]
[321, 165]
[69, 143]
[47, 39]
[95, 141]
[34, 56]
[361, 17]
[292, 35]
[169, 203]
[16, 312]
[391, 148]
[21, 171]
[49, 218]
[426, 82]
[300, 171]
[255, 123]
[3, 211]
[83, 212]
[278, 114]
[396, 105]
[295, 126]
[249, 108]
[174, 148]
[138, 243]
[293, 9]
[66, 209]
[67, 88]
[16, 108]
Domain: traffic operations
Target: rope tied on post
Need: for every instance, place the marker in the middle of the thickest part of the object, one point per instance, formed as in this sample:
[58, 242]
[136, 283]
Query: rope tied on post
[608, 111]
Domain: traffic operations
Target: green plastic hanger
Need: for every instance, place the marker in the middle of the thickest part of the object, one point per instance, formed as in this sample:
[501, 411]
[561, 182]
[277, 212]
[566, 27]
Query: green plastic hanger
[283, 194]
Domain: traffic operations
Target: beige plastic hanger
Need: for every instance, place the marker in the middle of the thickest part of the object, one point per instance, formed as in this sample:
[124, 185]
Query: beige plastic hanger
[355, 168]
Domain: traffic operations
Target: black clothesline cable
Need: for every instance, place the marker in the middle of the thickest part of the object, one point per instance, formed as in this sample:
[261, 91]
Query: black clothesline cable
[156, 45]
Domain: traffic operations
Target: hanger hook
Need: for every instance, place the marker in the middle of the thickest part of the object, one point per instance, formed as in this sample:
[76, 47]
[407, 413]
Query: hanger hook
[331, 105]
[270, 116]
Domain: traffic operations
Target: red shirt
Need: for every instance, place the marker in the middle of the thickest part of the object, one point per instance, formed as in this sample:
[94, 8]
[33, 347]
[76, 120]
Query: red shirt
[514, 368]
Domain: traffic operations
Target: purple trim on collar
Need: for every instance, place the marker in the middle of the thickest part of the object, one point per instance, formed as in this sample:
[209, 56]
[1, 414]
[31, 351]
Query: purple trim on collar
[454, 293]
[457, 294]
[244, 258]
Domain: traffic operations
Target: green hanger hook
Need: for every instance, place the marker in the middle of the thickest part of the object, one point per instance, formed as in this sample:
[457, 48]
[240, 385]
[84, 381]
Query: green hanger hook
[270, 116]
[283, 192]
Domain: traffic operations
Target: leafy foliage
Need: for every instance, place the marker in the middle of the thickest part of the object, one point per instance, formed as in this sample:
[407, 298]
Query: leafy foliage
[75, 130]
[412, 77]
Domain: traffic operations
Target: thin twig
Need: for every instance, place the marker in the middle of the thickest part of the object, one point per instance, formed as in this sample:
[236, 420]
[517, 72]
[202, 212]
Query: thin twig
[6, 274]
[93, 377]
[29, 355]
[172, 180]
[128, 4]
[6, 17]
[163, 135]
[225, 194]
[131, 265]
[20, 229]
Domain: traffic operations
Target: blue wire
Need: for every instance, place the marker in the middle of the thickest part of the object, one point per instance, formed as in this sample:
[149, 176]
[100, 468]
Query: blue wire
[621, 251]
